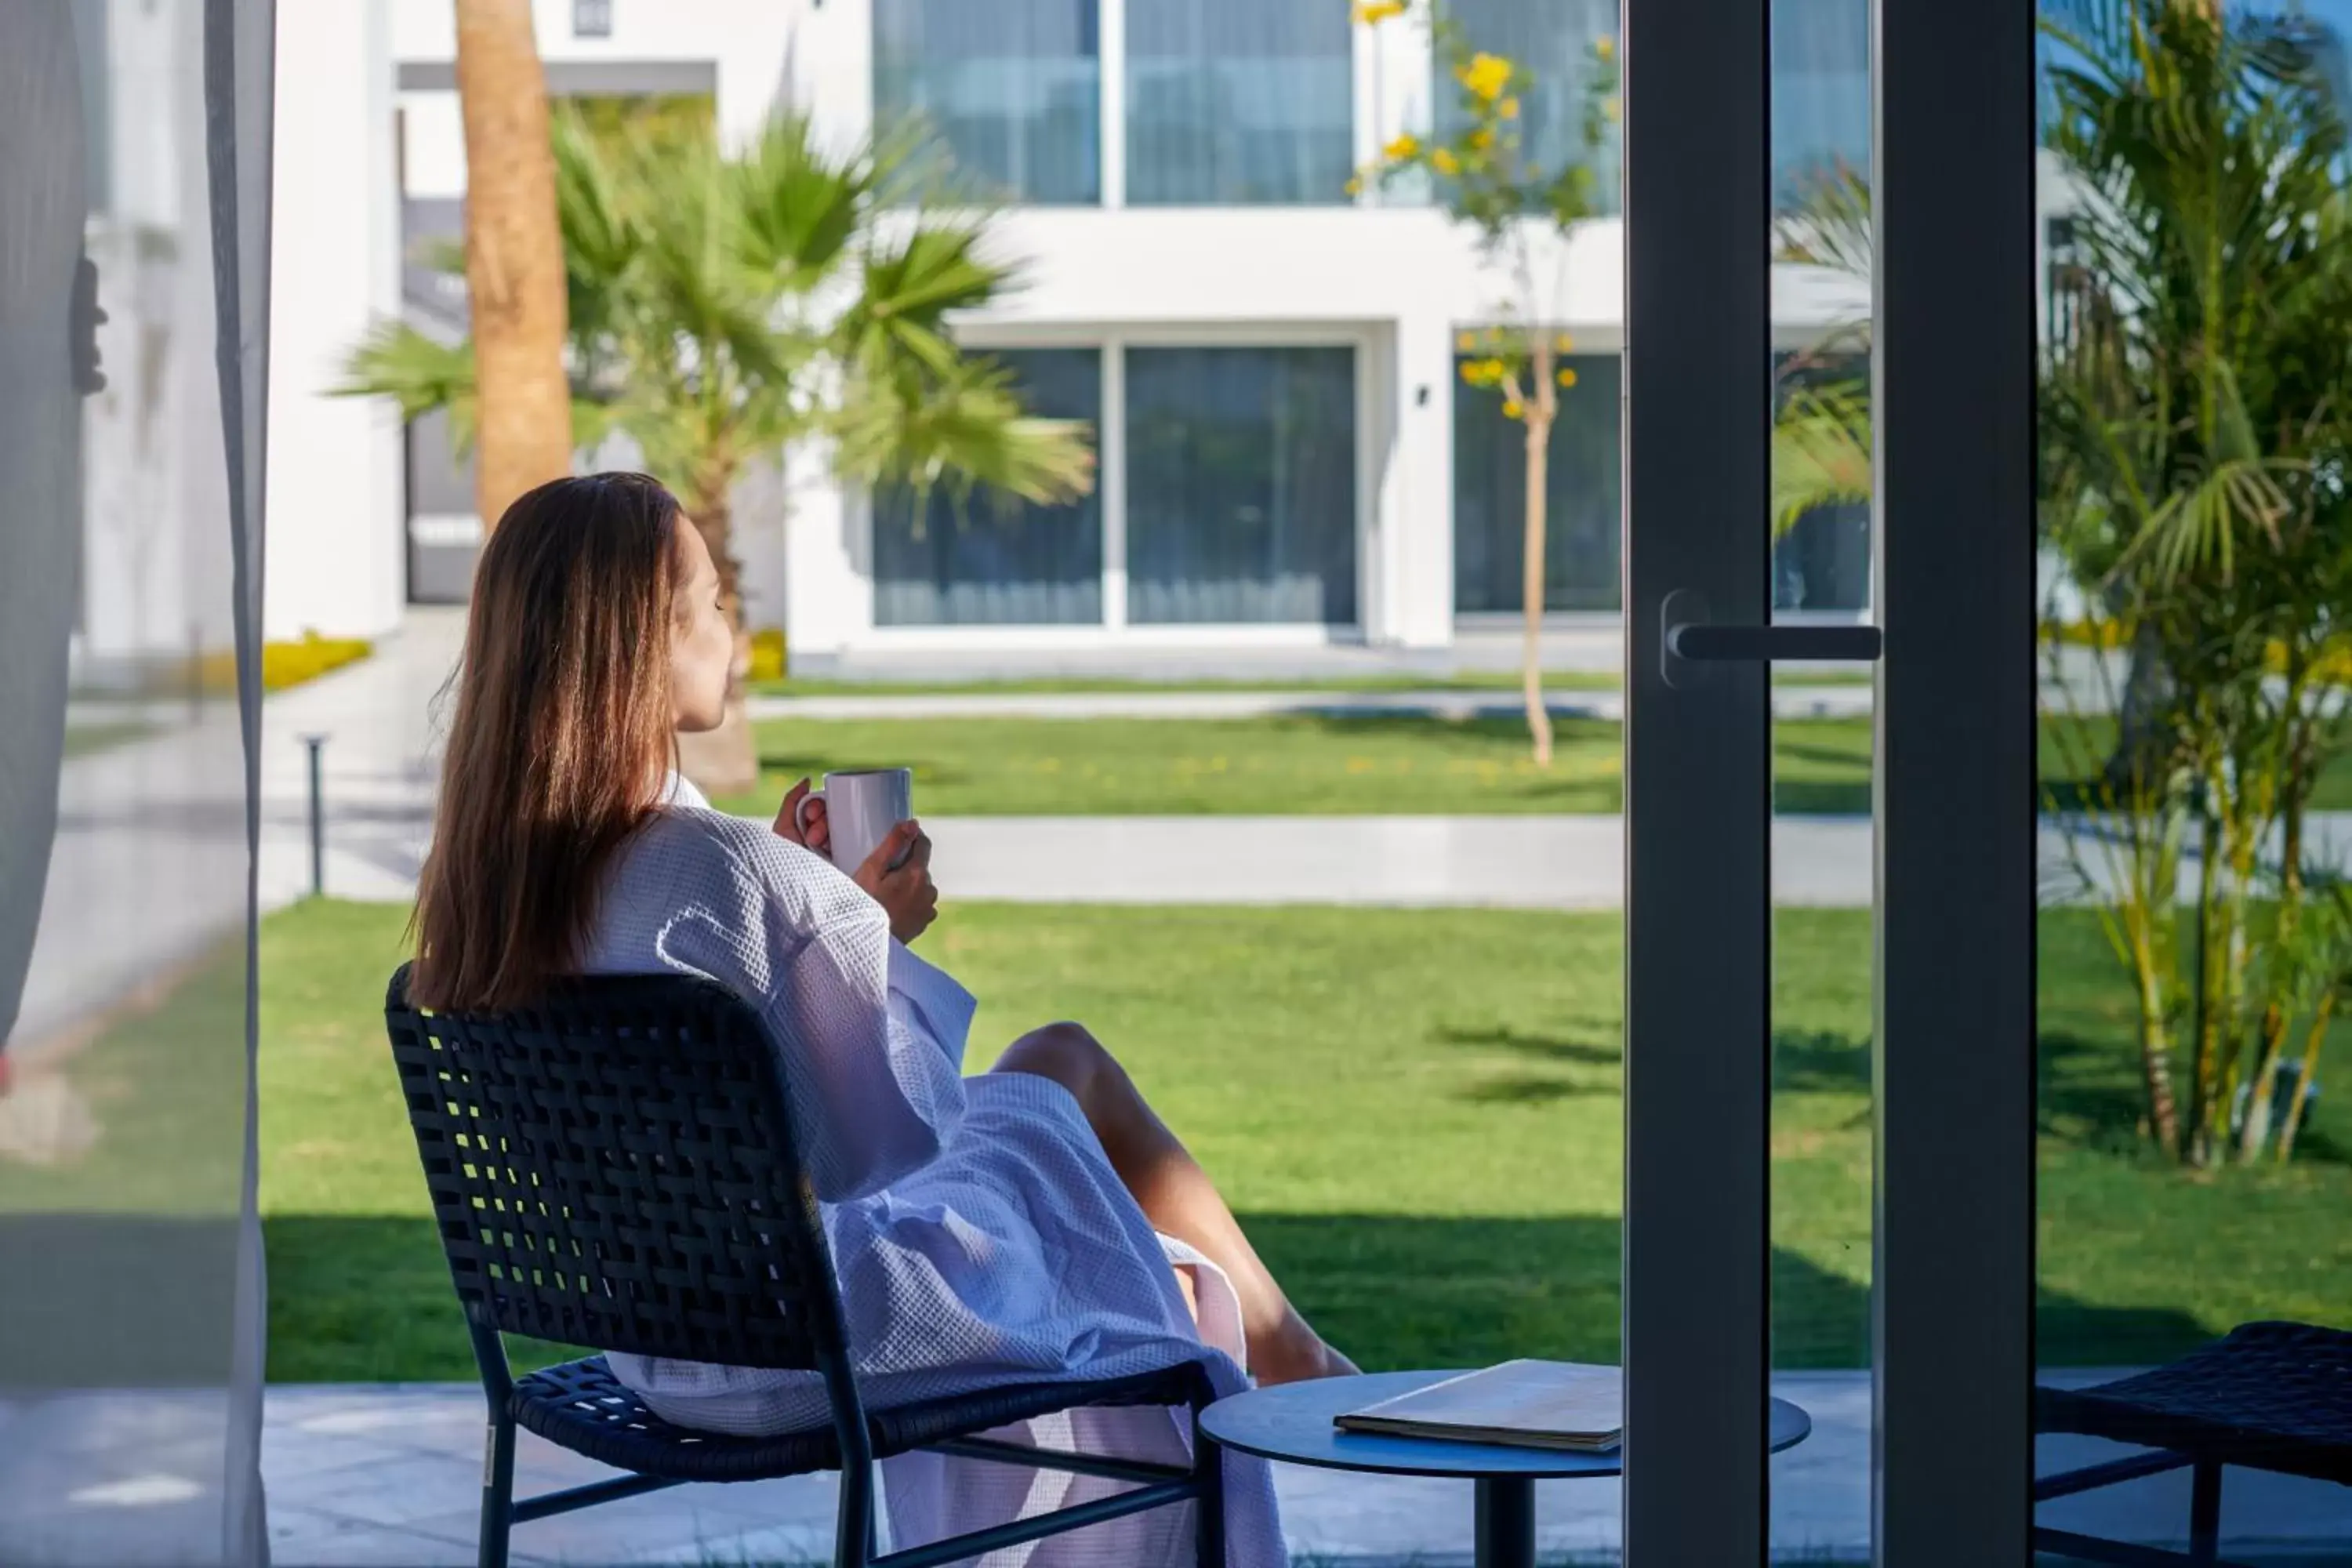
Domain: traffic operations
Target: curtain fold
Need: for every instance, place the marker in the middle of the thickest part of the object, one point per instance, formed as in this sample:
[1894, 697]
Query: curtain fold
[1238, 103]
[1012, 88]
[133, 208]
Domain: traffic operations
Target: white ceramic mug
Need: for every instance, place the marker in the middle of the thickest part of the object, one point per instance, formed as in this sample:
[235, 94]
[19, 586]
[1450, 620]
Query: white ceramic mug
[860, 810]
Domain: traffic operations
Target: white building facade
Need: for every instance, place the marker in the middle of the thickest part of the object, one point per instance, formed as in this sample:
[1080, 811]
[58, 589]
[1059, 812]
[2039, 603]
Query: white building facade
[1288, 457]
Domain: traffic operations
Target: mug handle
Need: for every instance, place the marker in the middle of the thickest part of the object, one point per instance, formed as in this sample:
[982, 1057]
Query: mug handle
[800, 812]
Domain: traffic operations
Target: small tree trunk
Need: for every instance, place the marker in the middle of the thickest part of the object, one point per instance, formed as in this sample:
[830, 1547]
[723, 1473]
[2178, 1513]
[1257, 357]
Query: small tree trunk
[2205, 1032]
[2320, 1017]
[514, 256]
[725, 760]
[2154, 1041]
[1538, 413]
[2148, 685]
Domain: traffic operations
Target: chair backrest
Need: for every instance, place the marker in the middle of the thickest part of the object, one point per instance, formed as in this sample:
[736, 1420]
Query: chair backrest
[614, 1166]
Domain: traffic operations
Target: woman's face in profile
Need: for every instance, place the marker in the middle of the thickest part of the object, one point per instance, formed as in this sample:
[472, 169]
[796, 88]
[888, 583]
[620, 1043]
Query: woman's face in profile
[702, 645]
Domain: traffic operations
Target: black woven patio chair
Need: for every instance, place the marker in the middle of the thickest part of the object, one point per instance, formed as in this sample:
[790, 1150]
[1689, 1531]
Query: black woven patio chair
[2267, 1396]
[613, 1167]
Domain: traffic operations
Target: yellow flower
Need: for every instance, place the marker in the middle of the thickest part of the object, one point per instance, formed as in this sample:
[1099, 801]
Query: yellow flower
[1612, 109]
[1491, 372]
[1509, 109]
[1605, 50]
[1465, 343]
[1402, 148]
[1355, 187]
[1564, 343]
[1373, 13]
[1445, 162]
[1486, 75]
[1483, 138]
[1513, 408]
[1568, 378]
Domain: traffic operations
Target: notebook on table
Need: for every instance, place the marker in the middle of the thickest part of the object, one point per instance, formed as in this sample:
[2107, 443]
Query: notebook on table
[1523, 1404]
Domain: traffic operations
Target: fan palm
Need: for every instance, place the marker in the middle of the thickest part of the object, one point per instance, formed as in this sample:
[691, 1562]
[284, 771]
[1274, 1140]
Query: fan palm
[723, 306]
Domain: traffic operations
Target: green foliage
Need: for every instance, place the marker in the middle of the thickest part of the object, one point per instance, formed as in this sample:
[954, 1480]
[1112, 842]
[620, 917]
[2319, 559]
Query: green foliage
[2194, 435]
[724, 305]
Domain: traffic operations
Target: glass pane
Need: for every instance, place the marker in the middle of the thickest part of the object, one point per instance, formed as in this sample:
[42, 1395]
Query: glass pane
[2193, 1185]
[1241, 484]
[1238, 103]
[1580, 518]
[1555, 43]
[993, 558]
[1012, 88]
[1823, 952]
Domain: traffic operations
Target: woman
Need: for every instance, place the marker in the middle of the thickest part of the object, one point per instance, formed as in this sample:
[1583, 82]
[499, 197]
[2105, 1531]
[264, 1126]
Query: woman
[1038, 1221]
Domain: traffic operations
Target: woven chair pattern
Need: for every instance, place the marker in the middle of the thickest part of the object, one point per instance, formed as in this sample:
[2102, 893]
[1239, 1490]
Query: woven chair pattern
[2275, 1397]
[614, 1166]
[582, 1406]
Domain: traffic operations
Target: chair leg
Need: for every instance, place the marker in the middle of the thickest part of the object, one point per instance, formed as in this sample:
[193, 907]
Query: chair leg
[2205, 1512]
[853, 1530]
[1209, 1512]
[498, 1491]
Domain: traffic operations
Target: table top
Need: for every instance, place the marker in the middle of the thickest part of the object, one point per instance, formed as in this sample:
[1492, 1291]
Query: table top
[1293, 1423]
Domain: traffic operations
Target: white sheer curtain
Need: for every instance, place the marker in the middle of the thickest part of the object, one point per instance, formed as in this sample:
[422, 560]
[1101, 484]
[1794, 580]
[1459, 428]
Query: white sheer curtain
[1236, 102]
[130, 1295]
[991, 559]
[1241, 485]
[1013, 87]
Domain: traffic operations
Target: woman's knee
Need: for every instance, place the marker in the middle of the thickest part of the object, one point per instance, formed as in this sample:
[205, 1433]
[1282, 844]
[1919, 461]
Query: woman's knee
[1071, 1056]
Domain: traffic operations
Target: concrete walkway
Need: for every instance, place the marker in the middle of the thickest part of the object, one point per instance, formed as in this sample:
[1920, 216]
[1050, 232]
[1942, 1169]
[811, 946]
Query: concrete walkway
[389, 1475]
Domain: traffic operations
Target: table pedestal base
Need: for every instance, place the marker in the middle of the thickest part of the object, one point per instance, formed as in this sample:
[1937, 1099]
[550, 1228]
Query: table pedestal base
[1506, 1522]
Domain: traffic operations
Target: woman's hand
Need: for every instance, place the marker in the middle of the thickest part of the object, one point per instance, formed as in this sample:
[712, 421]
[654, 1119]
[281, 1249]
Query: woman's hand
[819, 836]
[907, 895]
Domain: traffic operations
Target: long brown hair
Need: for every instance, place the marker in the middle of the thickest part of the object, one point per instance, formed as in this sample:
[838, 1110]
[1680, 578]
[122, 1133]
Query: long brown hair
[557, 746]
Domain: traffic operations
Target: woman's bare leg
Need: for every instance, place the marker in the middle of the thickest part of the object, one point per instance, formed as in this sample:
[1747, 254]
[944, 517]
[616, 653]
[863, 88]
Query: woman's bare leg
[1176, 1196]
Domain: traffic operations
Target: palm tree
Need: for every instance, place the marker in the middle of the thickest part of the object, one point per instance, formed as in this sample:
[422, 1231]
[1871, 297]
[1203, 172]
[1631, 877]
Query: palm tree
[722, 308]
[514, 259]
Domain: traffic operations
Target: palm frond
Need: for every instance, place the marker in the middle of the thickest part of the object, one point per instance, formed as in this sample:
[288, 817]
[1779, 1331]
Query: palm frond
[1820, 454]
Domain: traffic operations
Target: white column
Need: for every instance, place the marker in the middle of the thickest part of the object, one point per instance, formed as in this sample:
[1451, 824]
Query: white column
[1416, 488]
[828, 588]
[336, 553]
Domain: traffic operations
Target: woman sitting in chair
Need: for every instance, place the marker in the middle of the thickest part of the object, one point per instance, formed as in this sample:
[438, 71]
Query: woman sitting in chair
[1033, 1222]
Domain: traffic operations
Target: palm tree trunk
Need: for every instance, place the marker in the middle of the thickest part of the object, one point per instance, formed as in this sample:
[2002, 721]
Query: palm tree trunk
[2320, 1018]
[723, 762]
[514, 255]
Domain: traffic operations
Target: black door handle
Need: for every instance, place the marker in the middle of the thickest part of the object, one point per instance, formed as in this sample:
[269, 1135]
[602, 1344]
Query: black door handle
[1688, 641]
[1860, 644]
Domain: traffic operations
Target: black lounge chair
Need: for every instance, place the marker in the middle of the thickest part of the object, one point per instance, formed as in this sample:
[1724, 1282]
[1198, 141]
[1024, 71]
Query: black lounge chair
[2268, 1396]
[614, 1168]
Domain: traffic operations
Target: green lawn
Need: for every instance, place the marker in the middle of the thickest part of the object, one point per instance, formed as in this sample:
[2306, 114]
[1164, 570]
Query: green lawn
[1371, 764]
[1471, 680]
[1416, 1113]
[1350, 765]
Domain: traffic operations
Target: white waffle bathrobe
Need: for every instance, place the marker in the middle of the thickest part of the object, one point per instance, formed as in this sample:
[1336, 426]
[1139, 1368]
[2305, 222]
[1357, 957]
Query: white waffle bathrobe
[981, 1236]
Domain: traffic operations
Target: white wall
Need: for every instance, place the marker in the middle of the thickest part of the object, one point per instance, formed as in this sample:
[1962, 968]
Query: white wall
[336, 547]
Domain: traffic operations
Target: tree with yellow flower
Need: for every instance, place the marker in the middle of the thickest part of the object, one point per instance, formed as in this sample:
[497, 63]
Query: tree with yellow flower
[1521, 201]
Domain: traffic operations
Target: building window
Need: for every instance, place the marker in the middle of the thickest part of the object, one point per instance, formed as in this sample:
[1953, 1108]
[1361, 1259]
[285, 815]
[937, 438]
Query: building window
[988, 559]
[1011, 88]
[1820, 93]
[592, 18]
[1238, 103]
[1555, 43]
[1241, 485]
[1580, 497]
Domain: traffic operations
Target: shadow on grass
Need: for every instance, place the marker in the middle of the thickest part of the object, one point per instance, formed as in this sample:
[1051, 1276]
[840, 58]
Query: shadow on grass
[368, 1299]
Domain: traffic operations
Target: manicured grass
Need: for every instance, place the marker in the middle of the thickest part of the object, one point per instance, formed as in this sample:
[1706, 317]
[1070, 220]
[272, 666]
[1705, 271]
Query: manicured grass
[1353, 764]
[1415, 1111]
[1336, 764]
[1471, 680]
